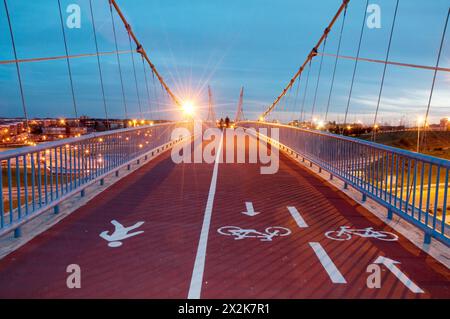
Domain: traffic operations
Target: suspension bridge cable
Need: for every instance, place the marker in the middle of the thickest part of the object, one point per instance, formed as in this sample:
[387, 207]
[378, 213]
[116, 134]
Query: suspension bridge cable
[118, 60]
[385, 68]
[318, 80]
[435, 72]
[306, 91]
[296, 96]
[62, 57]
[356, 62]
[135, 76]
[335, 63]
[155, 92]
[146, 86]
[98, 64]
[142, 51]
[310, 56]
[69, 68]
[408, 65]
[11, 33]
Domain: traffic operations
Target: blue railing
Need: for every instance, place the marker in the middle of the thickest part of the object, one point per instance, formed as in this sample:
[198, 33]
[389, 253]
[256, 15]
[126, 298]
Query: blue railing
[413, 186]
[37, 178]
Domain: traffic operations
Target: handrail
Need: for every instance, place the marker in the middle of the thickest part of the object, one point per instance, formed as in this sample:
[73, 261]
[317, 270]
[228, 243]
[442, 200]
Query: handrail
[43, 146]
[421, 156]
[413, 186]
[34, 179]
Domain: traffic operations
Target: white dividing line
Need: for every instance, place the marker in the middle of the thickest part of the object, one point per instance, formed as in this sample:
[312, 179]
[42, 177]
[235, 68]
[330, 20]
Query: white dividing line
[199, 265]
[297, 217]
[335, 276]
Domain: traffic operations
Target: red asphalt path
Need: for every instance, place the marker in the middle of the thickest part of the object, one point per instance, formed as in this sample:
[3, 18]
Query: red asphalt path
[171, 200]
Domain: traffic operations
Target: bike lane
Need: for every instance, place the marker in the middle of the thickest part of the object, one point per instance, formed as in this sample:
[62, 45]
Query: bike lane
[305, 263]
[157, 263]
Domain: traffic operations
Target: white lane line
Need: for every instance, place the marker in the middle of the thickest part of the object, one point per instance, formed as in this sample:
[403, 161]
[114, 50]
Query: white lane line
[250, 210]
[199, 265]
[297, 217]
[335, 276]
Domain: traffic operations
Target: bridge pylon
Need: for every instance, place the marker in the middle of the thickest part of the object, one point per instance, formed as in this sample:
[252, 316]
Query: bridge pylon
[211, 112]
[240, 110]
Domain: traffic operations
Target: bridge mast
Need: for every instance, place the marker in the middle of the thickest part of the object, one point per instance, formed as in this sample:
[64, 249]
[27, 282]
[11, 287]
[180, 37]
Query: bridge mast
[211, 114]
[240, 111]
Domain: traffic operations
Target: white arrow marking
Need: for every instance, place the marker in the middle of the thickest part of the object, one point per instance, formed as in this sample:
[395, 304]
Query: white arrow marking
[390, 264]
[250, 210]
[335, 275]
[297, 217]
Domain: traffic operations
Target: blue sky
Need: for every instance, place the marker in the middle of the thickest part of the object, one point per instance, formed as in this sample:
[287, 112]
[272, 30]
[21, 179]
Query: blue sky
[257, 44]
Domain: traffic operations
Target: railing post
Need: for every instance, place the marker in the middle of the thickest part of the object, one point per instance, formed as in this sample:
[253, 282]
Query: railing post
[427, 238]
[345, 185]
[138, 161]
[117, 173]
[129, 167]
[56, 209]
[17, 232]
[390, 214]
[364, 197]
[320, 169]
[331, 177]
[83, 193]
[102, 182]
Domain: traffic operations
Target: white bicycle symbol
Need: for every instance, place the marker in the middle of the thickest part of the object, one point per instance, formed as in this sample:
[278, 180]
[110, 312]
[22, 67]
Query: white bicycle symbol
[239, 233]
[345, 233]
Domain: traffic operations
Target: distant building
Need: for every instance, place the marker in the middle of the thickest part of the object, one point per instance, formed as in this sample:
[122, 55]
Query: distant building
[74, 131]
[54, 132]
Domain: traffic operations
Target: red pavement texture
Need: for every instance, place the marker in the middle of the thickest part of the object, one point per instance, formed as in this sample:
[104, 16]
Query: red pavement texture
[171, 200]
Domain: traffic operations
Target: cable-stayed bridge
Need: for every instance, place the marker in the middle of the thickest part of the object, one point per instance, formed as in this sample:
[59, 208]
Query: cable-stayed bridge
[158, 204]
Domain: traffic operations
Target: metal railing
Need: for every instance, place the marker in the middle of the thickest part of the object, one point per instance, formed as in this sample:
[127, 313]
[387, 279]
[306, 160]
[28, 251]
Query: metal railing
[37, 178]
[414, 186]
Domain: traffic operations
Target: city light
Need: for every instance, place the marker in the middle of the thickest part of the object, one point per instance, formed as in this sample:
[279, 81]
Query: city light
[320, 124]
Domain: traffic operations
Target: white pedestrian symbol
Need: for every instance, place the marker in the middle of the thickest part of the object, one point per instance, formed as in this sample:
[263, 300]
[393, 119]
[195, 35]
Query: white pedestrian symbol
[120, 233]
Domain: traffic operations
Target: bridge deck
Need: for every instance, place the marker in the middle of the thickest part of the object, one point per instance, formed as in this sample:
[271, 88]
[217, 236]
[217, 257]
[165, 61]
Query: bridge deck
[171, 200]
